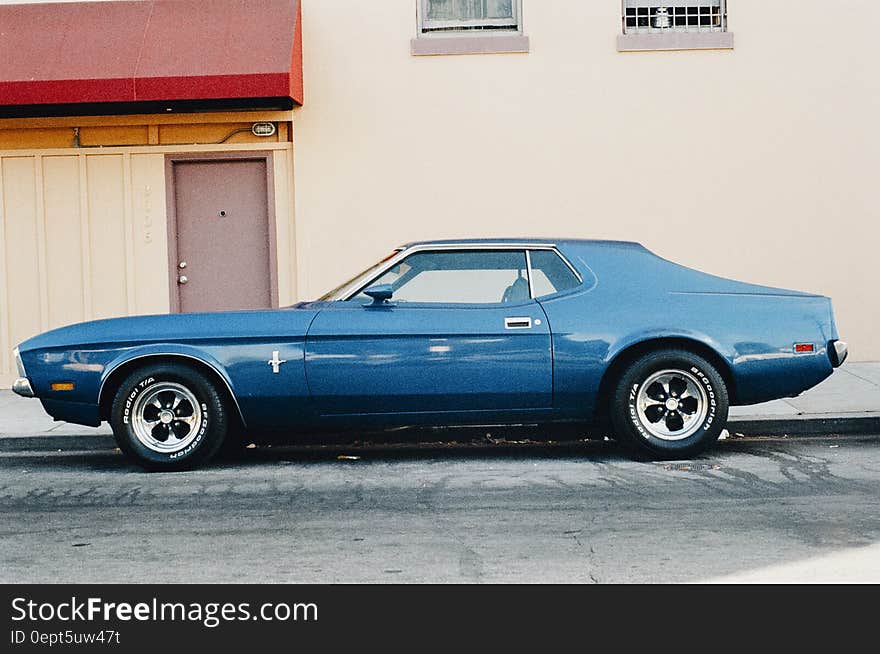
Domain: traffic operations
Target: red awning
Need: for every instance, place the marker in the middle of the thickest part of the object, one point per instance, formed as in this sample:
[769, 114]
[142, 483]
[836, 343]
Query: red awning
[149, 51]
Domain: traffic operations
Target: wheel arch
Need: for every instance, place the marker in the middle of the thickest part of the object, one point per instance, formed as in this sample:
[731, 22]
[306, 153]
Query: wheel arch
[113, 379]
[628, 354]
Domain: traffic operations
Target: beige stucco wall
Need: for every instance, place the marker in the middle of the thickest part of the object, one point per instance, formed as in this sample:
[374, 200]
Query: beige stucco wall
[758, 163]
[83, 235]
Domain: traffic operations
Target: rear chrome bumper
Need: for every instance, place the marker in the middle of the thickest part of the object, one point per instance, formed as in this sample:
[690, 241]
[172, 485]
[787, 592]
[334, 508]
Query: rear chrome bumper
[22, 386]
[838, 352]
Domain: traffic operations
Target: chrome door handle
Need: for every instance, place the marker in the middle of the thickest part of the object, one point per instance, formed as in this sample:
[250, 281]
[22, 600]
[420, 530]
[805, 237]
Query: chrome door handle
[183, 279]
[517, 323]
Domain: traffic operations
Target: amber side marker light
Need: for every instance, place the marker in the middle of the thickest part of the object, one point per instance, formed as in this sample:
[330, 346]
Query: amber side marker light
[802, 348]
[62, 386]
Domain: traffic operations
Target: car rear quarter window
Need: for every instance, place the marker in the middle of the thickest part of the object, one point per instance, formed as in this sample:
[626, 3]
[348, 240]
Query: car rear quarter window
[550, 274]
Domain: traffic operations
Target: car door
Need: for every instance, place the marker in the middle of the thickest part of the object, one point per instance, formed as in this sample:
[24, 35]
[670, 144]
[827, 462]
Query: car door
[461, 334]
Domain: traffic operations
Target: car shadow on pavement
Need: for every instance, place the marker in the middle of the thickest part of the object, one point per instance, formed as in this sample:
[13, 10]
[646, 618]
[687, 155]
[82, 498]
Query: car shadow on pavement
[101, 455]
[428, 451]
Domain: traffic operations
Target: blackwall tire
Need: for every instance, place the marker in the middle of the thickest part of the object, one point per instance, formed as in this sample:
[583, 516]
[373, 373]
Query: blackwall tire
[168, 417]
[669, 404]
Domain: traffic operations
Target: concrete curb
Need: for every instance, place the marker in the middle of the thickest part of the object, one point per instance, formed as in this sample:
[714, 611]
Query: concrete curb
[806, 425]
[57, 442]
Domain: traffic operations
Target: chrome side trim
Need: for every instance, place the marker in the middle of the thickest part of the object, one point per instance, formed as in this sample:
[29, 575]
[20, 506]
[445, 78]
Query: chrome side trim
[178, 355]
[22, 386]
[358, 285]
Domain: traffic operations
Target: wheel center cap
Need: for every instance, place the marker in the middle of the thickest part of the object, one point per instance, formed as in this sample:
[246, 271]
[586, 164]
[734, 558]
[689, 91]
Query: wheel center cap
[672, 404]
[166, 417]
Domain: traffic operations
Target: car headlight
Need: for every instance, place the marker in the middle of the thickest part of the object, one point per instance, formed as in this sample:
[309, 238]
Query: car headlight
[19, 364]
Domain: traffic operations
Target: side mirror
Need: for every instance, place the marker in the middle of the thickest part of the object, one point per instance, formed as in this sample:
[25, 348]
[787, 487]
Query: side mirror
[380, 293]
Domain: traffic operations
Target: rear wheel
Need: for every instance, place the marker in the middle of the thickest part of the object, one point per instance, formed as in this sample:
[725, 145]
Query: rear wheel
[669, 404]
[168, 417]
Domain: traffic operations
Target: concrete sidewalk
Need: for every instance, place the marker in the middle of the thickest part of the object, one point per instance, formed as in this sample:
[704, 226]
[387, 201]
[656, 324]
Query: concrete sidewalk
[847, 402]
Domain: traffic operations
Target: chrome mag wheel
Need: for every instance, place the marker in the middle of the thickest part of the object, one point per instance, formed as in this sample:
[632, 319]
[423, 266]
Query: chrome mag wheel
[672, 405]
[166, 417]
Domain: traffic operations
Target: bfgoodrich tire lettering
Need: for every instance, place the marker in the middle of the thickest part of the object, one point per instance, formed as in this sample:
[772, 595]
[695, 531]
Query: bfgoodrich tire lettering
[168, 417]
[669, 404]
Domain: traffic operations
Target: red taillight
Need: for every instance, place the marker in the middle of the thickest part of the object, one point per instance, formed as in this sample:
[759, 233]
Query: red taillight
[801, 348]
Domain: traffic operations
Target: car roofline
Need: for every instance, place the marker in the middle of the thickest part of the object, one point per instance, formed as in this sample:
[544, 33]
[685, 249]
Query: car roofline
[518, 242]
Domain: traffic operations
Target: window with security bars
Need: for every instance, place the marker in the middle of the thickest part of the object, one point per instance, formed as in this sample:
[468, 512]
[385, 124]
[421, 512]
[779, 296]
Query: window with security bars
[465, 15]
[658, 16]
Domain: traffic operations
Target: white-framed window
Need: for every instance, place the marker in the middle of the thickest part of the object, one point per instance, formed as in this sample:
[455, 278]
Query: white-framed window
[469, 15]
[664, 16]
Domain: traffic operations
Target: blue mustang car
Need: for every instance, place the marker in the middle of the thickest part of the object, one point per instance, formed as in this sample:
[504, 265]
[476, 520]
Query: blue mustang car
[480, 332]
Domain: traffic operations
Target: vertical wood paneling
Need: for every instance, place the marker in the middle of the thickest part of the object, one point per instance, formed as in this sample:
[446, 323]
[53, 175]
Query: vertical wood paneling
[22, 261]
[149, 233]
[108, 270]
[85, 236]
[40, 224]
[63, 240]
[130, 281]
[6, 363]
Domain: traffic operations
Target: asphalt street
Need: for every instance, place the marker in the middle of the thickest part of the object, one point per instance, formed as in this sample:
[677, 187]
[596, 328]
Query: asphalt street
[73, 510]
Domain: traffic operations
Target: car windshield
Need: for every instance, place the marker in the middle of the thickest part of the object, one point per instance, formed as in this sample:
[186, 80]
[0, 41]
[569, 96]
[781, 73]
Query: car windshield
[366, 273]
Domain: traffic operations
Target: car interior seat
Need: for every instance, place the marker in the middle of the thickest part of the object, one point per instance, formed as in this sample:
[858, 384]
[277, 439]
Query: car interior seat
[518, 291]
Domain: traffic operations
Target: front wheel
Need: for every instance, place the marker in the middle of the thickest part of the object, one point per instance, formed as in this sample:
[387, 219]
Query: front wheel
[669, 404]
[168, 417]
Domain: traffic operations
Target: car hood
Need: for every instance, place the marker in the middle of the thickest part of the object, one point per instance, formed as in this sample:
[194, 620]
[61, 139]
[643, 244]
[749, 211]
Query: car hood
[181, 327]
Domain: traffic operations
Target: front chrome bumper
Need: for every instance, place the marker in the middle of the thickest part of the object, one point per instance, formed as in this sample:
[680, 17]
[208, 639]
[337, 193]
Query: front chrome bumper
[22, 386]
[838, 353]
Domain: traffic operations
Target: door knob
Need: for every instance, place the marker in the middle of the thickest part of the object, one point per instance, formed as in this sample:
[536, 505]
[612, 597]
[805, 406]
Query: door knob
[182, 265]
[183, 279]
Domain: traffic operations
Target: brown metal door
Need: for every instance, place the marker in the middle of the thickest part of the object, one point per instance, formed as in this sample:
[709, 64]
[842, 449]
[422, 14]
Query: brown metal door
[223, 248]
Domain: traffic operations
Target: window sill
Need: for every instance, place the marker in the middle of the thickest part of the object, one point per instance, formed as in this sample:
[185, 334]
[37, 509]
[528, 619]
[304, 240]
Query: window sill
[675, 41]
[465, 44]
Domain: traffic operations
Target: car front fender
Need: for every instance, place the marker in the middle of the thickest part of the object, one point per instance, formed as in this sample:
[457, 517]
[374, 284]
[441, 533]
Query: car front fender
[130, 358]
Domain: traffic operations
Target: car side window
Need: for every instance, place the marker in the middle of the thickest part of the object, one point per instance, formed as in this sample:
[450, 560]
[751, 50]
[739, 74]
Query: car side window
[465, 277]
[550, 274]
